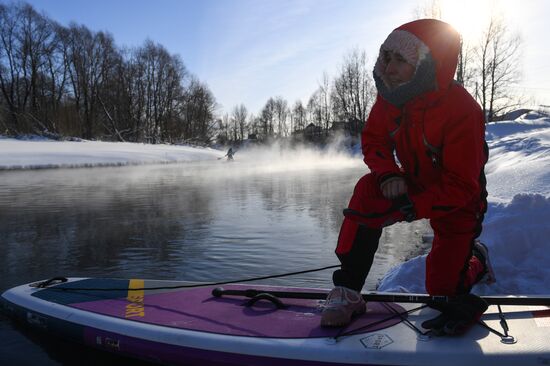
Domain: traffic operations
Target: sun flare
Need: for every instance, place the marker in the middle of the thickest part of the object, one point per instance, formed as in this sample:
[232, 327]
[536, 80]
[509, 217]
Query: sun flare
[468, 17]
[471, 17]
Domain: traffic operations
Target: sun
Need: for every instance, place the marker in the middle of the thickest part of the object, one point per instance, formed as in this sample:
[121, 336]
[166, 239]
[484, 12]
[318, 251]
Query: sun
[472, 17]
[468, 17]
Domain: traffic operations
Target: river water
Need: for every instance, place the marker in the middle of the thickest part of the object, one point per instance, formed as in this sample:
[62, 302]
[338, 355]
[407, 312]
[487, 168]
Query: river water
[210, 221]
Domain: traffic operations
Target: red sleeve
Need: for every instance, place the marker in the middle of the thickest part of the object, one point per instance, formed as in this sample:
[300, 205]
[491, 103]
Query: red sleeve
[377, 145]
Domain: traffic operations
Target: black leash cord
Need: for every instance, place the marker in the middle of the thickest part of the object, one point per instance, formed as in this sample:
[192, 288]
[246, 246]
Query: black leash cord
[345, 332]
[194, 285]
[406, 320]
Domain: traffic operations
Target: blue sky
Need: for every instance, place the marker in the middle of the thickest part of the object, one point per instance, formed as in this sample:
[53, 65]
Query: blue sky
[250, 50]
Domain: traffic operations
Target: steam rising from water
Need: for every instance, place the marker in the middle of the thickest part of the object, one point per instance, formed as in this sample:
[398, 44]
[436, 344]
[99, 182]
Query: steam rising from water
[280, 159]
[145, 159]
[276, 160]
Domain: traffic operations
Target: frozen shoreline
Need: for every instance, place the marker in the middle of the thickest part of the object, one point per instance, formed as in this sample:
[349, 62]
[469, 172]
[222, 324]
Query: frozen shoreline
[42, 154]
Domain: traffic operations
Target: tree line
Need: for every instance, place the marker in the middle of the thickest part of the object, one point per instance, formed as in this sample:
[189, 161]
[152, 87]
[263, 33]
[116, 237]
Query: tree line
[71, 81]
[346, 98]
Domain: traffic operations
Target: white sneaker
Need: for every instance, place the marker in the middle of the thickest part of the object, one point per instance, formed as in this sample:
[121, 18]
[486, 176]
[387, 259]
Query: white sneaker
[341, 305]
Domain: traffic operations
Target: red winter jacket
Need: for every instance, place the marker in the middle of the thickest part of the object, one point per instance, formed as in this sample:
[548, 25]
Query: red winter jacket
[438, 136]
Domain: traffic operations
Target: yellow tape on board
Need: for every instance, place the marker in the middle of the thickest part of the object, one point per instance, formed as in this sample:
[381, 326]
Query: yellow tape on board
[135, 307]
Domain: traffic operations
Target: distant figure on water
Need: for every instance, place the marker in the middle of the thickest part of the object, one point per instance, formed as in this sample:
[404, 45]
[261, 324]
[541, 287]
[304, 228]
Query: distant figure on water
[230, 154]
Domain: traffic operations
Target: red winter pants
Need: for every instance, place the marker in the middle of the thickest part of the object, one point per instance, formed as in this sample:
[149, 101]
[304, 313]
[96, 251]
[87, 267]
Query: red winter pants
[450, 267]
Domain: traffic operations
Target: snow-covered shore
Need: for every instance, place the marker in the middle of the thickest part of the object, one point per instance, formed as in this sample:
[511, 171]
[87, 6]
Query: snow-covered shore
[44, 153]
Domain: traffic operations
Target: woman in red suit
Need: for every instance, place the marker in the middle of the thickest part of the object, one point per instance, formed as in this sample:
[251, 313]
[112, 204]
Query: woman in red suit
[424, 143]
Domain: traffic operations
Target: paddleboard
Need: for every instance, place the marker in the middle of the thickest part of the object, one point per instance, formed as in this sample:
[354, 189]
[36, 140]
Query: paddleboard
[165, 322]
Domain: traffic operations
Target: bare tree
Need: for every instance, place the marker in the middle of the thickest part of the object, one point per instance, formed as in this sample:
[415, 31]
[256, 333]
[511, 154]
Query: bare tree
[240, 114]
[498, 64]
[223, 129]
[267, 119]
[27, 39]
[315, 109]
[160, 78]
[253, 125]
[353, 89]
[54, 81]
[281, 116]
[298, 116]
[116, 99]
[466, 71]
[198, 112]
[90, 59]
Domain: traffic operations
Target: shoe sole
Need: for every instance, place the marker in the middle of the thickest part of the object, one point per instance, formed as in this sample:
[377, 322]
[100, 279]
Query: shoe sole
[489, 278]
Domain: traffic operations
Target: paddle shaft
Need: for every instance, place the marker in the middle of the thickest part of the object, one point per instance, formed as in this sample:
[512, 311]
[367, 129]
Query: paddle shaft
[383, 297]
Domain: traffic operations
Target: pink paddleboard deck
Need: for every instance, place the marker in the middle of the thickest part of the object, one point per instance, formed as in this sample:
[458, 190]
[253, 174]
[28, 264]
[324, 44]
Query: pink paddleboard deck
[197, 309]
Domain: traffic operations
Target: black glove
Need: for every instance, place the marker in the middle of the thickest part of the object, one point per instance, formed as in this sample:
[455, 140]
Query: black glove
[457, 314]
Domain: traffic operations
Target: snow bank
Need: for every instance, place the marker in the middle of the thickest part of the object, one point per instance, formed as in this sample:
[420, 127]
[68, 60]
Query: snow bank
[517, 237]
